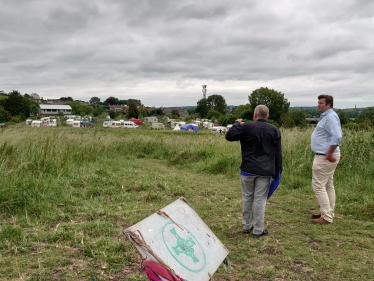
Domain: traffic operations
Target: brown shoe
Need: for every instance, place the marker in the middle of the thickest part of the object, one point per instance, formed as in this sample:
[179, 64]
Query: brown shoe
[320, 220]
[316, 216]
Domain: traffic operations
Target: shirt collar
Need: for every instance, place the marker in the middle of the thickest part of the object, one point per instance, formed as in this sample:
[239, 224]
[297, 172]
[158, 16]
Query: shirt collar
[326, 112]
[261, 120]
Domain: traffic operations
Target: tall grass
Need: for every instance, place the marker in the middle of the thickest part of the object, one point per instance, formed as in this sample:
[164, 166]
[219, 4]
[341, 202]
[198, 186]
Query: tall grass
[39, 164]
[67, 193]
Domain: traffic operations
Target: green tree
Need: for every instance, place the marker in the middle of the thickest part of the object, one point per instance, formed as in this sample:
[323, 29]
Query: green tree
[67, 99]
[343, 117]
[95, 101]
[111, 101]
[213, 114]
[366, 115]
[175, 112]
[202, 108]
[217, 102]
[157, 111]
[275, 101]
[225, 120]
[137, 102]
[133, 110]
[76, 107]
[191, 111]
[352, 113]
[298, 116]
[16, 105]
[34, 108]
[98, 110]
[112, 114]
[286, 121]
[142, 111]
[3, 115]
[86, 110]
[241, 109]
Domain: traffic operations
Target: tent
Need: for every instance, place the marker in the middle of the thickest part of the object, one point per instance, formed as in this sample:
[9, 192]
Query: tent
[190, 127]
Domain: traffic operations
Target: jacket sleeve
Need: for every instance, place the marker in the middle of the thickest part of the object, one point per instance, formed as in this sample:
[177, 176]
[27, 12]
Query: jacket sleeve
[235, 132]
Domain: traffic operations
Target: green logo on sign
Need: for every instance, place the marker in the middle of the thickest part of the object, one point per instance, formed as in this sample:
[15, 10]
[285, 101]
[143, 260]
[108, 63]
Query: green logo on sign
[184, 247]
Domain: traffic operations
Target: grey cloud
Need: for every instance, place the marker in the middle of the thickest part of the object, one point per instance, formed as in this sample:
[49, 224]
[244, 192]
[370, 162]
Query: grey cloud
[90, 47]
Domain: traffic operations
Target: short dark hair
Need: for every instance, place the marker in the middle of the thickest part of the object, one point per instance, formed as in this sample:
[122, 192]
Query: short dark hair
[328, 99]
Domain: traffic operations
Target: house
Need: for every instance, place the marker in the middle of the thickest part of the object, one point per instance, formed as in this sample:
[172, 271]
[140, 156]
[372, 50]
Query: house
[54, 109]
[117, 107]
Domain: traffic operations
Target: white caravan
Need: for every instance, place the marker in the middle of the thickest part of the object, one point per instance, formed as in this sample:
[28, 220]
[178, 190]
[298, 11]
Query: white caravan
[36, 123]
[219, 130]
[76, 124]
[112, 124]
[158, 126]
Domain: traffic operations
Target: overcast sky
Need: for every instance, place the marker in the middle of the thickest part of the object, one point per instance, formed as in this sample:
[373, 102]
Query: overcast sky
[163, 51]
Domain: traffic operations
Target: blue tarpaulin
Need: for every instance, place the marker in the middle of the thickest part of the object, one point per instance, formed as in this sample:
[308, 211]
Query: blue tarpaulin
[192, 127]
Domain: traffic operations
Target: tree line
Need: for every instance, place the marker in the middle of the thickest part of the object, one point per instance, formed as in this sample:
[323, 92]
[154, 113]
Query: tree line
[15, 108]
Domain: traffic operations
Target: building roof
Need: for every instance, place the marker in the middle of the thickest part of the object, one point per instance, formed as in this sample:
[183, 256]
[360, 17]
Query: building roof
[54, 106]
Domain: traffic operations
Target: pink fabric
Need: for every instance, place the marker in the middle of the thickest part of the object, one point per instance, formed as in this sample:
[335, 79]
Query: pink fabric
[154, 269]
[151, 275]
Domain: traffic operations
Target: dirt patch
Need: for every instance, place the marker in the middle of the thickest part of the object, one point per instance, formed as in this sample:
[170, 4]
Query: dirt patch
[301, 267]
[314, 245]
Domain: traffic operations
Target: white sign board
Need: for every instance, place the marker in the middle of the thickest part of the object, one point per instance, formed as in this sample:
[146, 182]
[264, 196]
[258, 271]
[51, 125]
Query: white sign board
[181, 239]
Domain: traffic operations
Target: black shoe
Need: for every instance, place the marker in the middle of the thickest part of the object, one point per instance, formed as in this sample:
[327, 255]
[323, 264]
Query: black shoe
[265, 232]
[247, 231]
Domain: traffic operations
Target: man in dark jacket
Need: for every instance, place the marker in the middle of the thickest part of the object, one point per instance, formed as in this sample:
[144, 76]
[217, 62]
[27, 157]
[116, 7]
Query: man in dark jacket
[261, 160]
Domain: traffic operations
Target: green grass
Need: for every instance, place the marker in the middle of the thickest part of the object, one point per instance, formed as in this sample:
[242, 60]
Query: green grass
[66, 194]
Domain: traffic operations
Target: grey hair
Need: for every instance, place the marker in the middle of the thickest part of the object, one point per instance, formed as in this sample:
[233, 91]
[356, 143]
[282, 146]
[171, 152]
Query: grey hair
[262, 111]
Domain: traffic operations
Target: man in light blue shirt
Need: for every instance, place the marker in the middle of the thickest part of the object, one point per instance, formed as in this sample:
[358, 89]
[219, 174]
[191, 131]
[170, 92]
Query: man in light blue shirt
[325, 142]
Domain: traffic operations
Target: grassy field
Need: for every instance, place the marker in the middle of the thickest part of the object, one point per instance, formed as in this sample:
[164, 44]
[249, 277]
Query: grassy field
[66, 194]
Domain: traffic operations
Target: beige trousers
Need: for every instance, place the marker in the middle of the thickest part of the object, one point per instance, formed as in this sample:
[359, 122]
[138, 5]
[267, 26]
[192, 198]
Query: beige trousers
[323, 185]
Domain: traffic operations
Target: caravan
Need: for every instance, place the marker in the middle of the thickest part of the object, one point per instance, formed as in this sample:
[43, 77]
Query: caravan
[219, 130]
[112, 124]
[36, 123]
[53, 122]
[115, 124]
[76, 124]
[156, 125]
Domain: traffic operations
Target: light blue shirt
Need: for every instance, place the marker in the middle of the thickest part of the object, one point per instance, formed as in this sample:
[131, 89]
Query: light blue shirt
[327, 132]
